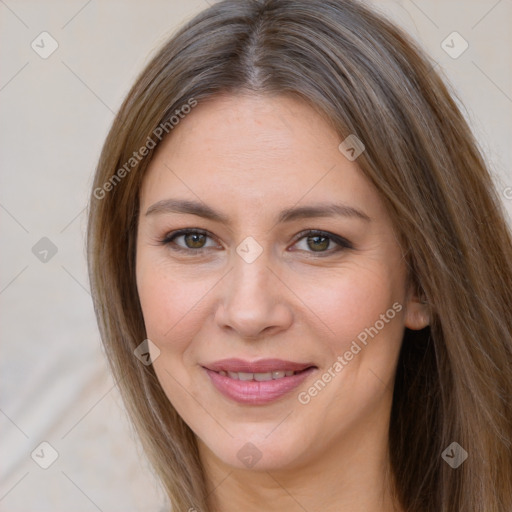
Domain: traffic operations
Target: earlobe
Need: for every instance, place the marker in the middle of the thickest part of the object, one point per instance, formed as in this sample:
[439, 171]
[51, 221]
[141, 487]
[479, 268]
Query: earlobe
[417, 309]
[417, 314]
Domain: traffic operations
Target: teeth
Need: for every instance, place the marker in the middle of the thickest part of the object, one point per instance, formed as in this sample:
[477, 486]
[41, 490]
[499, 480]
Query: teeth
[264, 376]
[260, 377]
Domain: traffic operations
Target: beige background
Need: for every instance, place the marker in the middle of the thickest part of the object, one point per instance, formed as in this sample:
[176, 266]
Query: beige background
[55, 114]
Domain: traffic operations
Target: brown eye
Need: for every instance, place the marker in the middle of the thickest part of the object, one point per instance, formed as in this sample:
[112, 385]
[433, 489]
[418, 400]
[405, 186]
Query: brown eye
[189, 240]
[322, 243]
[318, 243]
[195, 240]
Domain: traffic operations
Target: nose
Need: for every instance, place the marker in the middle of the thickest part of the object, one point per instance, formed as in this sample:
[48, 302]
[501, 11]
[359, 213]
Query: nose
[254, 301]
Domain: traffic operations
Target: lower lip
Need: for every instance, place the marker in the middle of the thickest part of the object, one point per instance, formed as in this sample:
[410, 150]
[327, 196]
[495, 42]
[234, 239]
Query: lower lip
[257, 392]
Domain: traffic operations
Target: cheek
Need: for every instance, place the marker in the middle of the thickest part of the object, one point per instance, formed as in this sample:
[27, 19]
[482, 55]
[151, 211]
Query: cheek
[171, 305]
[351, 300]
[364, 311]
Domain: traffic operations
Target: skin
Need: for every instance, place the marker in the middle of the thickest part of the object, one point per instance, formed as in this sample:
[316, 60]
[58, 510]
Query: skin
[249, 157]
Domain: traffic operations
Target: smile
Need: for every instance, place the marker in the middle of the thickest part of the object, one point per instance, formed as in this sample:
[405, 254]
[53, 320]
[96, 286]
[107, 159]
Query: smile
[260, 377]
[234, 379]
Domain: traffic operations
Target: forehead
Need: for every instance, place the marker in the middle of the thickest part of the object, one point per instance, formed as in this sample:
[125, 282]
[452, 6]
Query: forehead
[257, 150]
[251, 131]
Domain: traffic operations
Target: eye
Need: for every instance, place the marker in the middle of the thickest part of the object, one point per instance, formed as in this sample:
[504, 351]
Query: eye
[193, 239]
[321, 242]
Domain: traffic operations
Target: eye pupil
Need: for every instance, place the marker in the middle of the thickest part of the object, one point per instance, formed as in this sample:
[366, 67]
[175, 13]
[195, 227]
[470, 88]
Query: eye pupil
[195, 240]
[320, 242]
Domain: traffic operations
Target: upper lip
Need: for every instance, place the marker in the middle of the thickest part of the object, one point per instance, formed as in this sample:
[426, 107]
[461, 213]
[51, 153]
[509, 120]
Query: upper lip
[260, 366]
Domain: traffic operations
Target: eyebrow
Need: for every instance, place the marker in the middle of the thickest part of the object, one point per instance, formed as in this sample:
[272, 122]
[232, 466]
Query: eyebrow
[287, 215]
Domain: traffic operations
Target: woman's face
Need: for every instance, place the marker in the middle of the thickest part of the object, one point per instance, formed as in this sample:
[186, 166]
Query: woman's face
[291, 265]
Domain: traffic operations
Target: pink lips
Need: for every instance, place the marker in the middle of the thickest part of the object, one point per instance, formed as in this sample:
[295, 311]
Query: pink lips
[257, 392]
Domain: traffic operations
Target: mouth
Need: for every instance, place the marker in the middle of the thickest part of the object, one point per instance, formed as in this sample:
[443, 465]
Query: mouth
[259, 382]
[260, 377]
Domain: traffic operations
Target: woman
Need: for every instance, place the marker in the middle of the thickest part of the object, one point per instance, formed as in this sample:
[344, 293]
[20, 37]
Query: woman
[301, 270]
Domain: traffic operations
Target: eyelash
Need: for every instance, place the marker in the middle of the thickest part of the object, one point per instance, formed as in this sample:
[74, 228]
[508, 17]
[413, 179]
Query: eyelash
[342, 243]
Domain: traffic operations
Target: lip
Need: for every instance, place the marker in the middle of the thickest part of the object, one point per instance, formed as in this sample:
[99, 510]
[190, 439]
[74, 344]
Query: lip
[260, 366]
[257, 392]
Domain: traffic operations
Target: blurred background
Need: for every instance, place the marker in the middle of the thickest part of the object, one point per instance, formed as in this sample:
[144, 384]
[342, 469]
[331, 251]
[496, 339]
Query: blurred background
[65, 441]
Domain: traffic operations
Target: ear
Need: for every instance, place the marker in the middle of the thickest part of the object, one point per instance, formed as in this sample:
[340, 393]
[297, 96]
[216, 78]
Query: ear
[417, 313]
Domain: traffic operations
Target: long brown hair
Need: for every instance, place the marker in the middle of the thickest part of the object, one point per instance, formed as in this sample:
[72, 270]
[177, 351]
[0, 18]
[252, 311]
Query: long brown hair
[454, 378]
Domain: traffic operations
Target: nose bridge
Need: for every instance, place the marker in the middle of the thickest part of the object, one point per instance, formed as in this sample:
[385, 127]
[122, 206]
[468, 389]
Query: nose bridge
[251, 260]
[250, 278]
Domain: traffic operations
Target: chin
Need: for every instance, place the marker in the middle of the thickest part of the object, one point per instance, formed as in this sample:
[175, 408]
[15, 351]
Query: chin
[260, 451]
